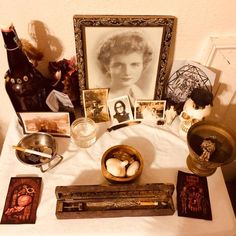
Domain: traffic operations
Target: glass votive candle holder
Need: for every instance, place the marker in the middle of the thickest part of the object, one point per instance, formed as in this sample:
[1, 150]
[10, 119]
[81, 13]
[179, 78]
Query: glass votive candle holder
[83, 132]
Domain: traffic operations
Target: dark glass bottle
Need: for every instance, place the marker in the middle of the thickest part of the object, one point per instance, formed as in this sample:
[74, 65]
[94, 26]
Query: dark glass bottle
[25, 85]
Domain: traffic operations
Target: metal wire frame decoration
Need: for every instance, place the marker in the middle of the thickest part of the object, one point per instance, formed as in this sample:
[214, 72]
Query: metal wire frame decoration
[182, 82]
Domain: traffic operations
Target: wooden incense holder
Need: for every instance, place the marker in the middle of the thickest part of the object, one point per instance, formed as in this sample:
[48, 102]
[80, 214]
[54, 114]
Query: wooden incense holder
[95, 201]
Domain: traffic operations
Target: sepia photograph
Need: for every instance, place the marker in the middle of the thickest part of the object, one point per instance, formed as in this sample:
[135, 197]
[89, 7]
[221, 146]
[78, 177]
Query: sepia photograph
[95, 104]
[124, 61]
[151, 110]
[120, 110]
[55, 123]
[127, 54]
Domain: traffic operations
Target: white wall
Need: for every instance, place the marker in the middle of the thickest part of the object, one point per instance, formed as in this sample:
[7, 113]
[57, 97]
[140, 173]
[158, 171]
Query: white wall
[197, 21]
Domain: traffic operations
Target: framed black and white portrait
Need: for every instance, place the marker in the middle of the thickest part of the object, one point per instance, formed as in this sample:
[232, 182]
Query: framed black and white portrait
[130, 55]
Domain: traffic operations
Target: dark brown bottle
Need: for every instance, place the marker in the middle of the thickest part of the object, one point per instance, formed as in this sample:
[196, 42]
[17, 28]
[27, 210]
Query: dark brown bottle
[25, 85]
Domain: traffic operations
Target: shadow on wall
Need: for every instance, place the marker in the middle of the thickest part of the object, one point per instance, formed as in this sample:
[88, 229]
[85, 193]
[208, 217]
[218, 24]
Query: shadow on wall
[49, 45]
[222, 112]
[1, 139]
[217, 105]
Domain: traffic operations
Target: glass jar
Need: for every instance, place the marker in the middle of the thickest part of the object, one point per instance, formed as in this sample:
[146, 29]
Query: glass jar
[83, 132]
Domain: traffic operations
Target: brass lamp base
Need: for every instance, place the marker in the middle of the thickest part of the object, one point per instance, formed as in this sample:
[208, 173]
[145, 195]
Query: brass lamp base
[199, 169]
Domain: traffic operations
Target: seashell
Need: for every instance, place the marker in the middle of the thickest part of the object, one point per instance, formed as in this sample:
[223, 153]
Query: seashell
[133, 168]
[116, 167]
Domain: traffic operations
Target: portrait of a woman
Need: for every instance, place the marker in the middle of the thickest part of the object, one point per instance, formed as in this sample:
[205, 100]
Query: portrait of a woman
[123, 58]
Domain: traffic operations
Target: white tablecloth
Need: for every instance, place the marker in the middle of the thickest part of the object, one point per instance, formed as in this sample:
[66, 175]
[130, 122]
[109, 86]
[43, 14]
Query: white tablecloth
[164, 153]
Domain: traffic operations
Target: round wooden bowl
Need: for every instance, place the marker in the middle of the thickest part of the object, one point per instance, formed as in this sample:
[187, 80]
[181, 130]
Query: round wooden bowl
[121, 152]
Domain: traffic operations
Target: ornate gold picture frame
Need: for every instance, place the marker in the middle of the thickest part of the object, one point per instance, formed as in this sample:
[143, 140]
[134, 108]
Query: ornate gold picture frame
[92, 31]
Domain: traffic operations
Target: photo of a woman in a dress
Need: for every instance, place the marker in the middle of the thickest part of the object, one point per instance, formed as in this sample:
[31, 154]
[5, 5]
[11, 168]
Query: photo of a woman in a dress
[123, 59]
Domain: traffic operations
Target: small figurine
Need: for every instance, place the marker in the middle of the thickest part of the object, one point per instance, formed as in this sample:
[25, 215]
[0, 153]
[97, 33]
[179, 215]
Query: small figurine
[208, 146]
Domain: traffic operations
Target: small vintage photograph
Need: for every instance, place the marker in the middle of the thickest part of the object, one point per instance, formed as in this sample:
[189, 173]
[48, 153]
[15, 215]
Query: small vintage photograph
[55, 123]
[120, 109]
[151, 110]
[95, 104]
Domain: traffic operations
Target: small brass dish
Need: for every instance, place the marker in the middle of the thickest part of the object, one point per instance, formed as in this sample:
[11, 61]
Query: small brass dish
[123, 153]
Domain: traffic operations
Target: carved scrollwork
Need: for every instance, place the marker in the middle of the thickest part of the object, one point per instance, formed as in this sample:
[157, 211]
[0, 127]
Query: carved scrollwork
[163, 68]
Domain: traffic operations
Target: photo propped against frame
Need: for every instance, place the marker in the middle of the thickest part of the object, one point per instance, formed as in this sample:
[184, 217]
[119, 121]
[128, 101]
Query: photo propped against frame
[95, 104]
[130, 55]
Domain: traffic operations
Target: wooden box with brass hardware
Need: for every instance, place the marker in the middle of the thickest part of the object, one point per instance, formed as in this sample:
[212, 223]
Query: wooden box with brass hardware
[94, 201]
